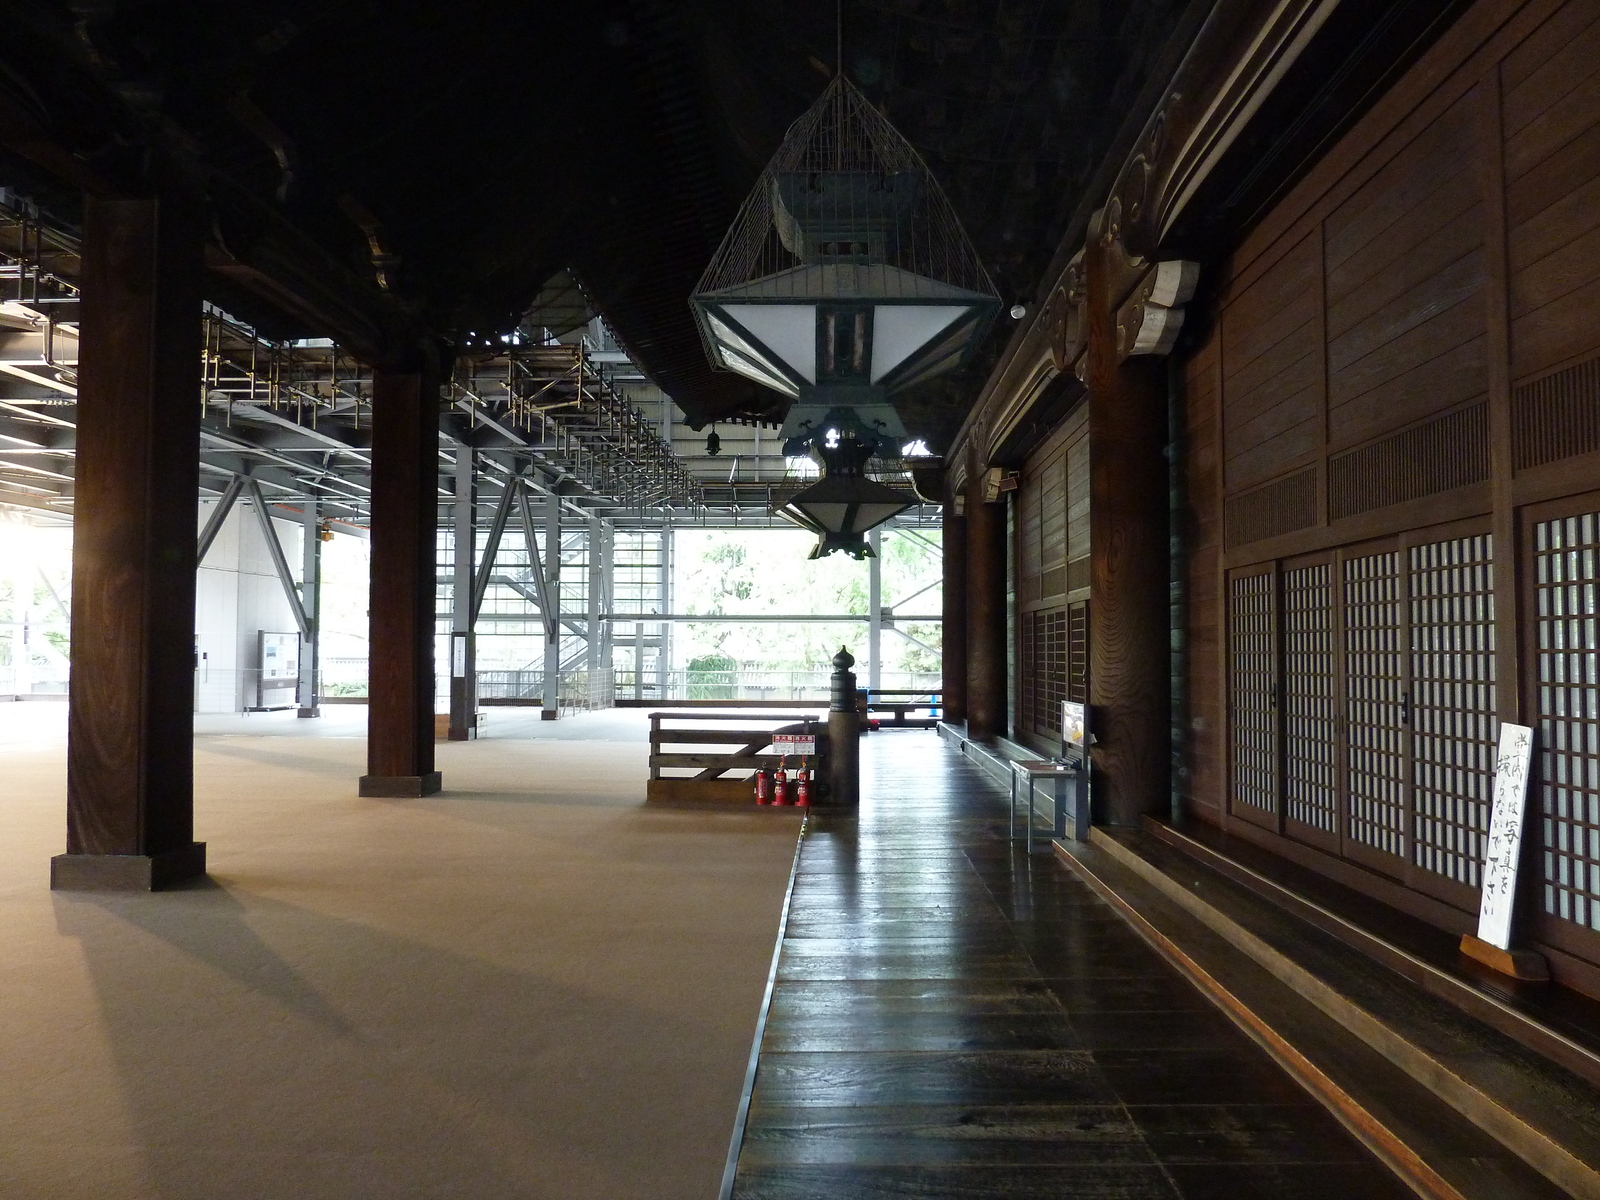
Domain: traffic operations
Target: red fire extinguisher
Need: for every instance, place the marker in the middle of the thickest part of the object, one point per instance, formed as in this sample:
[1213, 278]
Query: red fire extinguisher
[802, 787]
[780, 785]
[763, 786]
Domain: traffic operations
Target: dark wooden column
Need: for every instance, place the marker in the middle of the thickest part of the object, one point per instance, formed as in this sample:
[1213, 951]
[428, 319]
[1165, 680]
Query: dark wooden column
[1129, 666]
[986, 610]
[954, 638]
[405, 515]
[130, 740]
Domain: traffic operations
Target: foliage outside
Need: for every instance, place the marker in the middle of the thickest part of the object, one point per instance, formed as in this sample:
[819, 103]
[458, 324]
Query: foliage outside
[756, 572]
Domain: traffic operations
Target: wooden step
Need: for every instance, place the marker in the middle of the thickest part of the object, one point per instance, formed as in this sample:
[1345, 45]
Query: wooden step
[1456, 1107]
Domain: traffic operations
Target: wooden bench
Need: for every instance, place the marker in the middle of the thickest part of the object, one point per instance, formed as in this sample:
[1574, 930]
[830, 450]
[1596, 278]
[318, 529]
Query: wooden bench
[724, 775]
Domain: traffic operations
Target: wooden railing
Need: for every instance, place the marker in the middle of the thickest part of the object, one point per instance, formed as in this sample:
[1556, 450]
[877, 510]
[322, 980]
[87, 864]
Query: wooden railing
[724, 760]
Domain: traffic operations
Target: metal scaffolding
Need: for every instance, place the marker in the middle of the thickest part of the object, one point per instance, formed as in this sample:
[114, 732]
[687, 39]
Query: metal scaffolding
[569, 469]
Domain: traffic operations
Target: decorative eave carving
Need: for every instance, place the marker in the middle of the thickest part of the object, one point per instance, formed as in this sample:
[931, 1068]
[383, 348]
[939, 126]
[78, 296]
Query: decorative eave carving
[1022, 400]
[1242, 51]
[1066, 315]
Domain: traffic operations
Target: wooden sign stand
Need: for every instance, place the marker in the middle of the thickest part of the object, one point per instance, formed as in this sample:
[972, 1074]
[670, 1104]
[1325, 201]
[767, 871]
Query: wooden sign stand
[1527, 965]
[1501, 856]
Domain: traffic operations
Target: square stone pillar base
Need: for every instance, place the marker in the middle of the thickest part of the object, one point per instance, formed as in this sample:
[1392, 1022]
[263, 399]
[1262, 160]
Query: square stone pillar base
[127, 872]
[401, 787]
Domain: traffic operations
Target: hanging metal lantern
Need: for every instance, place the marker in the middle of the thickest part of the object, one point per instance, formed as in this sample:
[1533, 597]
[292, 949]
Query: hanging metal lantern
[842, 506]
[846, 277]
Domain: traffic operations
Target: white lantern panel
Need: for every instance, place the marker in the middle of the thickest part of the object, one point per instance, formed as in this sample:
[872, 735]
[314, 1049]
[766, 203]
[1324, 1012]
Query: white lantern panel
[869, 515]
[727, 337]
[900, 330]
[828, 516]
[937, 358]
[751, 369]
[788, 331]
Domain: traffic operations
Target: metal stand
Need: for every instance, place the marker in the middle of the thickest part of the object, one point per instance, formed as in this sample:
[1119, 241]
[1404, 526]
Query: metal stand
[1071, 781]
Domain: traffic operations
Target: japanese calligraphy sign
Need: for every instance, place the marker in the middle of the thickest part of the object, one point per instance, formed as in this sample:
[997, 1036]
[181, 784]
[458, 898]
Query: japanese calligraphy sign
[1503, 846]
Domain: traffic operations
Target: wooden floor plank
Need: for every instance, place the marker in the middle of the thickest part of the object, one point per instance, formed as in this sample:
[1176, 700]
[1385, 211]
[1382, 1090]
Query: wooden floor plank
[952, 1018]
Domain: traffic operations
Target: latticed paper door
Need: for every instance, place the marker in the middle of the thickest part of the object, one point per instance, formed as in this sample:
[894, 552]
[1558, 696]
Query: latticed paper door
[1453, 726]
[1376, 807]
[1561, 547]
[1253, 733]
[1310, 708]
[1044, 645]
[1362, 704]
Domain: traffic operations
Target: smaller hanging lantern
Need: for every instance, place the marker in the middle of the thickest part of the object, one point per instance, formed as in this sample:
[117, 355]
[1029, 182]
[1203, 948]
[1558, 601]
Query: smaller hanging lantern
[842, 506]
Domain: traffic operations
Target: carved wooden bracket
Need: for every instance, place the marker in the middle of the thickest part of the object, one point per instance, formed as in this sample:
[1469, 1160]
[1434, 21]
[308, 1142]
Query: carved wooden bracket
[997, 482]
[1151, 319]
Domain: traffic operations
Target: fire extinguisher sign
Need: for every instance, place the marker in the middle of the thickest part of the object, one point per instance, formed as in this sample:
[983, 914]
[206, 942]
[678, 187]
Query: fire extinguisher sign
[801, 744]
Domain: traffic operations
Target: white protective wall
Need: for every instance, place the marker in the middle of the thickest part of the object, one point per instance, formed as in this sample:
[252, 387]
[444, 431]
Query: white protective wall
[237, 596]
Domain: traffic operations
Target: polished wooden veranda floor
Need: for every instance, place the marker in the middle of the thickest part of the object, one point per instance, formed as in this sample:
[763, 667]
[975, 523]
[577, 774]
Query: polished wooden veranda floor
[954, 1019]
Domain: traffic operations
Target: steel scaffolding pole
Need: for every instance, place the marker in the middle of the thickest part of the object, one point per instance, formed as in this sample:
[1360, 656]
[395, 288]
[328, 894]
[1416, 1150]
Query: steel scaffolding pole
[664, 628]
[875, 611]
[552, 644]
[311, 601]
[595, 554]
[463, 650]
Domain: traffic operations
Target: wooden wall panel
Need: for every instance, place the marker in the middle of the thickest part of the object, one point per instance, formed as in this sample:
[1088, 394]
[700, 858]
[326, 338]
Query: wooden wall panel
[1406, 312]
[1053, 527]
[1028, 543]
[1053, 504]
[1052, 489]
[1203, 538]
[1410, 344]
[1551, 117]
[1077, 464]
[1272, 369]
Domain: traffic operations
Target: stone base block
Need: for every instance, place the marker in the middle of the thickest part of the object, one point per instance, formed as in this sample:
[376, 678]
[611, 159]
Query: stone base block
[401, 787]
[127, 872]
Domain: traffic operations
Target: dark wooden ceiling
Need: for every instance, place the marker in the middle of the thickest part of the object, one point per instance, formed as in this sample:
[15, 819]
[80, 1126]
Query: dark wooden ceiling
[482, 145]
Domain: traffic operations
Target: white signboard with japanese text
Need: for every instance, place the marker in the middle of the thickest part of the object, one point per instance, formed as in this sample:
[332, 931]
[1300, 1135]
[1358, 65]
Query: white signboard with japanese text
[1074, 727]
[802, 744]
[1503, 846]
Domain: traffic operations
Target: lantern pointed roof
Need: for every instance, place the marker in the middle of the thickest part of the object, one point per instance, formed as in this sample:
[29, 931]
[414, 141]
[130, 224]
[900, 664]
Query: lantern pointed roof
[844, 167]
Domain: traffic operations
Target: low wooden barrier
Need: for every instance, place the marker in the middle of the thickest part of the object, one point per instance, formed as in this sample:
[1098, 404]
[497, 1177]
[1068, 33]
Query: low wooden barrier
[901, 701]
[719, 750]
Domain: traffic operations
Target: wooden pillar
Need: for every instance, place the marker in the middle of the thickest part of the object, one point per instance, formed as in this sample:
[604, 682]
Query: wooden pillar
[986, 610]
[405, 513]
[130, 740]
[1129, 665]
[954, 643]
